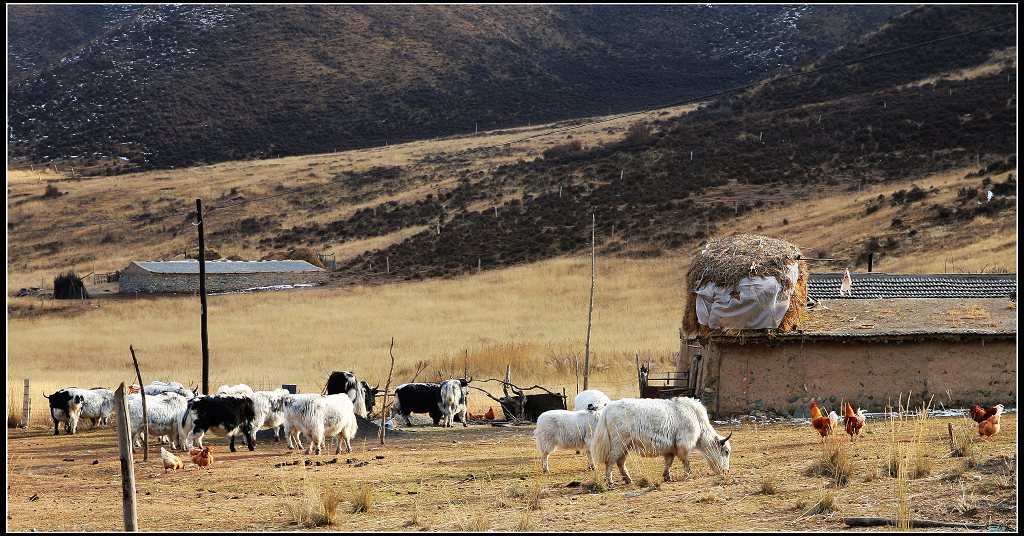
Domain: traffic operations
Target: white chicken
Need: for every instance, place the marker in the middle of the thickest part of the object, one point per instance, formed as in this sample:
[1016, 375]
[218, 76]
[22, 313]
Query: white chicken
[846, 288]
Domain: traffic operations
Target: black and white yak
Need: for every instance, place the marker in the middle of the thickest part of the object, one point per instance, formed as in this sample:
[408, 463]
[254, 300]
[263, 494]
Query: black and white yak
[230, 414]
[71, 405]
[346, 382]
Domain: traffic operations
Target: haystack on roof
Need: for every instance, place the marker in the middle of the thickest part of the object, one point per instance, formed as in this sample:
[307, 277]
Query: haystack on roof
[727, 261]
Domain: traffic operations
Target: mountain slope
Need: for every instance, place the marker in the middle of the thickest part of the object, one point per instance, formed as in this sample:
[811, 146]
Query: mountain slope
[38, 35]
[178, 85]
[873, 125]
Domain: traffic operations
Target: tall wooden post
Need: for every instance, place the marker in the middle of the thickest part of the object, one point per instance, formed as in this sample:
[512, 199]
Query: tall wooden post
[590, 315]
[387, 387]
[202, 298]
[145, 414]
[124, 445]
[26, 407]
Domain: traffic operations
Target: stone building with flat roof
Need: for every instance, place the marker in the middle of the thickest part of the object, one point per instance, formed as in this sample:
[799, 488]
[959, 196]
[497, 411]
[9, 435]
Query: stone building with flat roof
[182, 277]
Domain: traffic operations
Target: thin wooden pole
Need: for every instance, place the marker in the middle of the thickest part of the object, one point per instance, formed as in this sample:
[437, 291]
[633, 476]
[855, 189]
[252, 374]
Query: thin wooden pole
[124, 445]
[26, 407]
[576, 359]
[145, 414]
[590, 314]
[202, 299]
[387, 387]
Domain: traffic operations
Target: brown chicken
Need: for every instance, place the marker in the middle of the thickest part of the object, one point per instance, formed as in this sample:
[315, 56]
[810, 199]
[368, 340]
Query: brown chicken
[171, 461]
[854, 421]
[820, 422]
[990, 426]
[982, 415]
[202, 457]
[490, 414]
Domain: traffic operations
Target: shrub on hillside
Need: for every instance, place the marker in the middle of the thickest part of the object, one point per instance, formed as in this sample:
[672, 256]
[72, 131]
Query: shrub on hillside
[562, 150]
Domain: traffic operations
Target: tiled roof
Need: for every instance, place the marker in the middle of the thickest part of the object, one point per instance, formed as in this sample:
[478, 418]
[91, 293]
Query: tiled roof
[225, 267]
[882, 285]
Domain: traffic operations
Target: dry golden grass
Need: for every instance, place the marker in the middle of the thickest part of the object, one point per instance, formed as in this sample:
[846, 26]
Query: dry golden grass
[531, 317]
[999, 60]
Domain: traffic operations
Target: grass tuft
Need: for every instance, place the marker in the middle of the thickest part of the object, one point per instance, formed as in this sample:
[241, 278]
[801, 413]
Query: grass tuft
[768, 486]
[834, 462]
[362, 498]
[826, 504]
[525, 523]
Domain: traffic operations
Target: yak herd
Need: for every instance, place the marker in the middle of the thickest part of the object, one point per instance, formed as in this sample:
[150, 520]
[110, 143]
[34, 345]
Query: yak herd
[608, 430]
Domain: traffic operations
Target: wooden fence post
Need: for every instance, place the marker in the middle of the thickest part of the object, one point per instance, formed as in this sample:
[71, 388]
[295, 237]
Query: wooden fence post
[145, 414]
[26, 407]
[124, 445]
[387, 387]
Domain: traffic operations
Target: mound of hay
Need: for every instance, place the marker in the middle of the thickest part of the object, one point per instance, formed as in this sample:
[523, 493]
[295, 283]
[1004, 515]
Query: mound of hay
[69, 287]
[296, 254]
[726, 261]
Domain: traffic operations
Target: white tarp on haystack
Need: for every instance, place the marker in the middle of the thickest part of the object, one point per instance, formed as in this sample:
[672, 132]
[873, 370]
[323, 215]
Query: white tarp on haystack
[761, 304]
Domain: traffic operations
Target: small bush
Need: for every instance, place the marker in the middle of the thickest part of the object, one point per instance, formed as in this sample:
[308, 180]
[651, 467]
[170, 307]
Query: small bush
[639, 133]
[52, 192]
[572, 148]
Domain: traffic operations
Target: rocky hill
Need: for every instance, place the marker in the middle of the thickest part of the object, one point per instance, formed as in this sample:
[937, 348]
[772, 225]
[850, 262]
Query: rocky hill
[116, 88]
[927, 110]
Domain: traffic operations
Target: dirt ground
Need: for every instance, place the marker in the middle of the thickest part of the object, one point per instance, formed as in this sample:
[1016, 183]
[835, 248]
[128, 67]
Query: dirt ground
[488, 478]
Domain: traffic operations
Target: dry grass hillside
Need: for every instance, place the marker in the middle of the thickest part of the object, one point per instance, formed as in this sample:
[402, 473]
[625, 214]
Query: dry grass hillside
[150, 213]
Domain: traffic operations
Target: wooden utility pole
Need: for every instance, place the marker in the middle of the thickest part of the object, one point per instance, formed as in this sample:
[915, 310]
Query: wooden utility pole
[202, 298]
[124, 445]
[145, 414]
[387, 387]
[590, 314]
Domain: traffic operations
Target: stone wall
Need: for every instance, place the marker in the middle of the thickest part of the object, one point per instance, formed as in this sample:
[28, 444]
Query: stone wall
[751, 378]
[189, 283]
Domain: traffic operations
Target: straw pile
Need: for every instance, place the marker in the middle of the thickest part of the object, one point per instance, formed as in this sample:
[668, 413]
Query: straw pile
[726, 261]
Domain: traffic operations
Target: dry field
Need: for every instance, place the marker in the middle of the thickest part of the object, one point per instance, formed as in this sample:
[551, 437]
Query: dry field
[531, 317]
[486, 478]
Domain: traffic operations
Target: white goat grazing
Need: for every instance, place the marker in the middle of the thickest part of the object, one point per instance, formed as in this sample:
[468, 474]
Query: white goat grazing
[559, 428]
[163, 413]
[588, 397]
[654, 427]
[240, 389]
